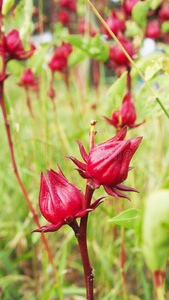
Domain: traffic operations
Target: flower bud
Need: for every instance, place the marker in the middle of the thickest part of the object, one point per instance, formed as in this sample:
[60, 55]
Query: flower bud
[69, 4]
[164, 12]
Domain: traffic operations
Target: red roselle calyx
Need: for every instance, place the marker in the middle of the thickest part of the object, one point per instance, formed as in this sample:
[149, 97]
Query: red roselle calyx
[69, 4]
[153, 30]
[27, 78]
[63, 17]
[117, 55]
[115, 24]
[125, 116]
[129, 5]
[60, 201]
[59, 60]
[108, 163]
[14, 48]
[164, 12]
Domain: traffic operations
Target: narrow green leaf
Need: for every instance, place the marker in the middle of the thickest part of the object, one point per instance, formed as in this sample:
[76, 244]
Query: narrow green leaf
[76, 57]
[7, 5]
[139, 12]
[127, 218]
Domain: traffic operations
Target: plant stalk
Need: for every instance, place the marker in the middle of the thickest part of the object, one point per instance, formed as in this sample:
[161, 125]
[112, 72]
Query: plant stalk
[128, 56]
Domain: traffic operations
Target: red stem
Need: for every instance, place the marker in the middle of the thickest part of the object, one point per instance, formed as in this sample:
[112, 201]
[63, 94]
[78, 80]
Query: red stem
[82, 233]
[8, 131]
[28, 101]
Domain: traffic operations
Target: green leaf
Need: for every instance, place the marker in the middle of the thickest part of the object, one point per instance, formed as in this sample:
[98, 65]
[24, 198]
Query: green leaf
[7, 106]
[139, 12]
[7, 5]
[127, 218]
[155, 224]
[154, 3]
[165, 27]
[76, 57]
[161, 64]
[132, 28]
[94, 47]
[117, 91]
[37, 60]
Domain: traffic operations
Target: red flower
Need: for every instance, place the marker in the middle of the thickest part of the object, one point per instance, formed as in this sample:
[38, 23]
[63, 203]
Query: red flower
[69, 4]
[14, 47]
[60, 202]
[129, 5]
[108, 163]
[28, 77]
[63, 17]
[115, 24]
[59, 60]
[153, 30]
[126, 115]
[117, 55]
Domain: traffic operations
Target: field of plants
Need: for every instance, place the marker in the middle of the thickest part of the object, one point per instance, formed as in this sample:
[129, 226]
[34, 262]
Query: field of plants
[84, 164]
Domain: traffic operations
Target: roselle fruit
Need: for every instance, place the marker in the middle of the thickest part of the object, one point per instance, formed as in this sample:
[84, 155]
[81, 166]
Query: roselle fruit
[69, 4]
[59, 60]
[117, 55]
[60, 201]
[115, 24]
[164, 12]
[63, 17]
[108, 163]
[129, 5]
[125, 116]
[28, 77]
[14, 48]
[153, 30]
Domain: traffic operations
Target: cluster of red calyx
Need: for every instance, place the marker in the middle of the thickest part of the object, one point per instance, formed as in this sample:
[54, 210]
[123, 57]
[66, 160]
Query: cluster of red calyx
[155, 20]
[117, 56]
[87, 27]
[65, 9]
[107, 164]
[125, 116]
[60, 58]
[13, 47]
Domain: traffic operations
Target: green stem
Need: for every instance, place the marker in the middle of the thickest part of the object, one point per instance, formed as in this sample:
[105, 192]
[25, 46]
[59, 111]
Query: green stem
[128, 56]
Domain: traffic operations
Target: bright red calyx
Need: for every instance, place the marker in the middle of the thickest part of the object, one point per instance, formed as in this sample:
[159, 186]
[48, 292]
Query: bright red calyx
[69, 4]
[28, 77]
[153, 30]
[115, 24]
[108, 163]
[63, 17]
[59, 60]
[60, 201]
[129, 5]
[13, 47]
[117, 55]
[126, 115]
[164, 12]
